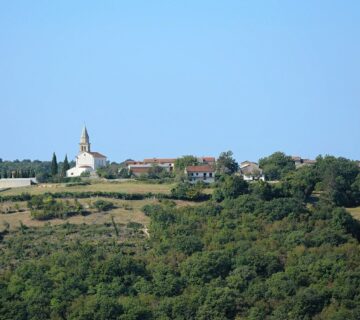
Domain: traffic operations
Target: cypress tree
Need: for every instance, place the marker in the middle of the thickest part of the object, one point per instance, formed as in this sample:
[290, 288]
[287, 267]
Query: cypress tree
[65, 166]
[54, 166]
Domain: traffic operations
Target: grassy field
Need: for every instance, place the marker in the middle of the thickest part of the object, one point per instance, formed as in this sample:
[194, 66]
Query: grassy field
[105, 186]
[125, 211]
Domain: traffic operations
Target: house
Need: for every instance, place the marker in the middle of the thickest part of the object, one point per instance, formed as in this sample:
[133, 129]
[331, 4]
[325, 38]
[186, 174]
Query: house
[86, 160]
[138, 168]
[251, 171]
[203, 173]
[164, 163]
[300, 162]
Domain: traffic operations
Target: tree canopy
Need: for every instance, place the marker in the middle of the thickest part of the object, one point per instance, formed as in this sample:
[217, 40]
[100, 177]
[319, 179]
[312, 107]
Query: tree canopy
[277, 165]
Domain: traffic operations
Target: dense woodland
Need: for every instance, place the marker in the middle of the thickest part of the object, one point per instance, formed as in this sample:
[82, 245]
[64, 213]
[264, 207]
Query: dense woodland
[285, 250]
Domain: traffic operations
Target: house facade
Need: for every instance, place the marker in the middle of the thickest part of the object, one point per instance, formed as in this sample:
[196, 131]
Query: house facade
[138, 168]
[205, 173]
[86, 160]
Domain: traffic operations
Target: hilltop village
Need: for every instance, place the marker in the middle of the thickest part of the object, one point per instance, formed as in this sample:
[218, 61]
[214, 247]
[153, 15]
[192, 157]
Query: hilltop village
[93, 164]
[196, 237]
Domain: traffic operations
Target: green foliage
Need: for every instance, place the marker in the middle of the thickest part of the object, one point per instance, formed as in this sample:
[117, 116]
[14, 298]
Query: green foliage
[185, 161]
[65, 167]
[265, 251]
[276, 166]
[226, 163]
[230, 187]
[338, 179]
[111, 171]
[188, 191]
[300, 183]
[44, 207]
[103, 205]
[26, 169]
[54, 166]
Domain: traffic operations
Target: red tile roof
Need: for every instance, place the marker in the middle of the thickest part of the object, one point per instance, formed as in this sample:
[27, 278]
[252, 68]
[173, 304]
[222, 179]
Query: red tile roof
[200, 169]
[155, 160]
[208, 159]
[133, 162]
[140, 169]
[97, 155]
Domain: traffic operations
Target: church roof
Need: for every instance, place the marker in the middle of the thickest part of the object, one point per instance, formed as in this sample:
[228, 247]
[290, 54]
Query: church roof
[97, 155]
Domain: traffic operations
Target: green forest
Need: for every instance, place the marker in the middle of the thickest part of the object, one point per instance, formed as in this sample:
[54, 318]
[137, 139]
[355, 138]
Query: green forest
[254, 251]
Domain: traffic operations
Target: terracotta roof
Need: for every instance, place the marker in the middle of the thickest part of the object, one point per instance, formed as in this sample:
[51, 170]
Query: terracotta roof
[140, 169]
[133, 162]
[155, 160]
[296, 158]
[97, 155]
[208, 159]
[200, 169]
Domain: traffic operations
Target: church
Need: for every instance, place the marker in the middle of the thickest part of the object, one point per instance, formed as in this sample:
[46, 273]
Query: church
[86, 160]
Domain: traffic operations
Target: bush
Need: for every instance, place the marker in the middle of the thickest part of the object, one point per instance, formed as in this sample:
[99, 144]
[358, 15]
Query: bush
[188, 191]
[45, 207]
[103, 205]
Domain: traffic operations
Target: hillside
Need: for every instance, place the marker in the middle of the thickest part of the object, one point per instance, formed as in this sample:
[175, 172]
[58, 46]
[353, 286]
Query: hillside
[286, 250]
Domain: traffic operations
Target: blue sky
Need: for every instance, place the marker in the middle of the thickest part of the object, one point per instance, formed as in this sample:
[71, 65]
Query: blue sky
[169, 78]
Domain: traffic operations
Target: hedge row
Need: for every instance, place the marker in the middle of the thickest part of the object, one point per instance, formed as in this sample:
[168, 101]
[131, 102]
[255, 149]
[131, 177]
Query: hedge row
[90, 194]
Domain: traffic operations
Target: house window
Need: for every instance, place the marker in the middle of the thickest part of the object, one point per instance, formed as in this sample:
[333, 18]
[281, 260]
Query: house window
[210, 174]
[204, 174]
[197, 173]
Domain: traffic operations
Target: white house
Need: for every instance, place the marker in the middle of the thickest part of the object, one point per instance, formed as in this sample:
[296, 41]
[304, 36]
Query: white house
[86, 160]
[203, 173]
[251, 171]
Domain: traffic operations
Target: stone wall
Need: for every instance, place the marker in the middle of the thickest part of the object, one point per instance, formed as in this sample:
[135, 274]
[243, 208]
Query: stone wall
[17, 182]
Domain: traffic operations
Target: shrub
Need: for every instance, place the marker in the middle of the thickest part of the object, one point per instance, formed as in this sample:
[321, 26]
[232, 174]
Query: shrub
[103, 205]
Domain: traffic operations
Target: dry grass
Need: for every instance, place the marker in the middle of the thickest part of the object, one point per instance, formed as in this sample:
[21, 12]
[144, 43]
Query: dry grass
[105, 186]
[125, 211]
[355, 212]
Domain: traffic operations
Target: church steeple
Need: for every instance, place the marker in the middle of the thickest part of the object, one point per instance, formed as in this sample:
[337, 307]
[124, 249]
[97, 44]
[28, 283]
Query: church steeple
[84, 141]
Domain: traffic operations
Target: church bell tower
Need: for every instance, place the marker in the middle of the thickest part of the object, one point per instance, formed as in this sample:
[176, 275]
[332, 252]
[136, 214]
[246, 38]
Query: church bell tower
[84, 141]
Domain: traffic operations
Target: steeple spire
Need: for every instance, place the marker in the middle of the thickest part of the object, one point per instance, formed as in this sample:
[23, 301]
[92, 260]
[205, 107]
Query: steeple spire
[84, 141]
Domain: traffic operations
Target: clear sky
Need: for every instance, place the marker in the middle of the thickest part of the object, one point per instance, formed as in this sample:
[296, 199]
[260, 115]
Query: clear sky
[169, 78]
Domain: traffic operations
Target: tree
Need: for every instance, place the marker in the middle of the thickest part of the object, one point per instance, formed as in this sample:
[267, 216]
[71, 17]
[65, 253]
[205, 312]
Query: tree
[336, 178]
[226, 163]
[277, 165]
[230, 187]
[54, 165]
[188, 191]
[183, 162]
[65, 167]
[300, 183]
